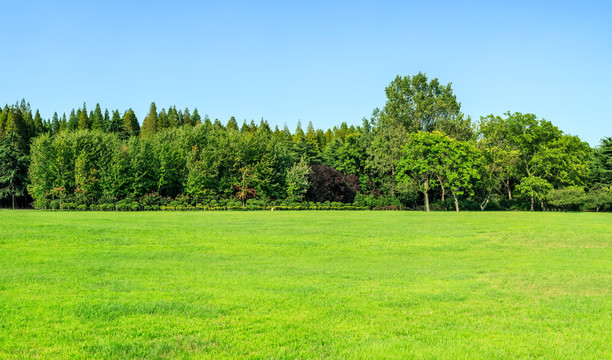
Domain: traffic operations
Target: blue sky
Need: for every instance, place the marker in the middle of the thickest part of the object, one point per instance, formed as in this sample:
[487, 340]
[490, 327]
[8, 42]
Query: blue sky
[325, 62]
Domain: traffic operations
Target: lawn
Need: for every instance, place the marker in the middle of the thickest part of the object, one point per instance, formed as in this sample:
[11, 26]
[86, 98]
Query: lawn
[316, 284]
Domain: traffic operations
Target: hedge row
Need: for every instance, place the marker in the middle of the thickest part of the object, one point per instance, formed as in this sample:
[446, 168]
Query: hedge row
[137, 207]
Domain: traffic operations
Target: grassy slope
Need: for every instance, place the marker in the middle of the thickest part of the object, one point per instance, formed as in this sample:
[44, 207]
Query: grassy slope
[305, 284]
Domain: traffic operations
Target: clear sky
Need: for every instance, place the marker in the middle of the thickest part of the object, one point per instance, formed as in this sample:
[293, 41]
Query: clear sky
[320, 61]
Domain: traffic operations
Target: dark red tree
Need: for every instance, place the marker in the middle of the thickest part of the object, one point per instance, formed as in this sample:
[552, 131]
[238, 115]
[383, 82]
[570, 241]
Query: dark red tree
[329, 184]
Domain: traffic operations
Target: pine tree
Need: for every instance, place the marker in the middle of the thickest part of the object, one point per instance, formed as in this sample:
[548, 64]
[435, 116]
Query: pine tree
[17, 129]
[55, 124]
[116, 123]
[13, 159]
[149, 124]
[195, 118]
[186, 117]
[232, 125]
[63, 123]
[39, 127]
[106, 121]
[162, 120]
[83, 119]
[73, 121]
[97, 119]
[131, 127]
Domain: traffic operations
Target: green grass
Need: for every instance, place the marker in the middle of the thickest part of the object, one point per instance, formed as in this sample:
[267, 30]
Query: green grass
[97, 285]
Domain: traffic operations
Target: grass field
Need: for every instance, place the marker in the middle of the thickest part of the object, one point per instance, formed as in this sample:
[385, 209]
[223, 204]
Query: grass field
[87, 285]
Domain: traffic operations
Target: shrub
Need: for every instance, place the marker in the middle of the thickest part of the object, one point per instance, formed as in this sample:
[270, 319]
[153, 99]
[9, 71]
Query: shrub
[82, 207]
[54, 204]
[569, 198]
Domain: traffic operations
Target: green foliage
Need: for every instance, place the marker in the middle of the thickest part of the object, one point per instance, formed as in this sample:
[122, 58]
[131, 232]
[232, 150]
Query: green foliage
[297, 181]
[568, 198]
[601, 164]
[419, 146]
[13, 168]
[534, 187]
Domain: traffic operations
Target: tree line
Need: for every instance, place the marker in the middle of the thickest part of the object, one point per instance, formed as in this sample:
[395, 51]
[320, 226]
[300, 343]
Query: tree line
[418, 151]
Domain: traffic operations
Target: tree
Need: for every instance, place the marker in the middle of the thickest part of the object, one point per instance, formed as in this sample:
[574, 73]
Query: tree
[383, 154]
[116, 123]
[131, 127]
[421, 105]
[83, 119]
[601, 164]
[328, 184]
[195, 118]
[462, 170]
[534, 187]
[297, 181]
[17, 130]
[244, 189]
[13, 168]
[97, 119]
[420, 161]
[149, 124]
[599, 198]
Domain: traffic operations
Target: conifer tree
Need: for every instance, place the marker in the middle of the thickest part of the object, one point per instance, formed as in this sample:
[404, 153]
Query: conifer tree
[186, 117]
[73, 121]
[63, 123]
[97, 119]
[116, 123]
[195, 118]
[83, 119]
[232, 125]
[162, 120]
[149, 124]
[131, 127]
[38, 124]
[13, 168]
[55, 124]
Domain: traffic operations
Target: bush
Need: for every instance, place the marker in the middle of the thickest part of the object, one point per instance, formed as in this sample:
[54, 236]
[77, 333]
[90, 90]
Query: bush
[68, 206]
[55, 204]
[82, 207]
[569, 198]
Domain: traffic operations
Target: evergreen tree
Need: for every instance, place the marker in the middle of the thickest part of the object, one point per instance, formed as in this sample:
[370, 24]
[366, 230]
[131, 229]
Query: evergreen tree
[116, 123]
[83, 119]
[131, 127]
[73, 121]
[162, 121]
[195, 118]
[39, 127]
[232, 125]
[13, 168]
[149, 124]
[106, 121]
[97, 119]
[63, 123]
[55, 123]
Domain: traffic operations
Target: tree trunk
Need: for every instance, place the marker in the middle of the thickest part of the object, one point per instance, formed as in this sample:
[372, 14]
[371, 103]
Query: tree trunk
[456, 203]
[485, 202]
[13, 200]
[542, 205]
[427, 195]
[442, 187]
[532, 203]
[507, 184]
